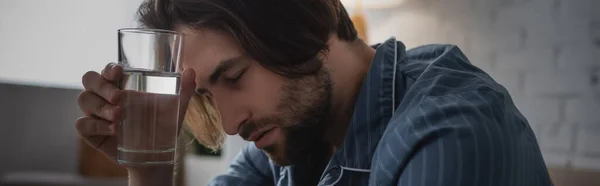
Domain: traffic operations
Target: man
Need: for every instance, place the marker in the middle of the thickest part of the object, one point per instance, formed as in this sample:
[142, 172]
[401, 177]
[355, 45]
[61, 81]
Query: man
[323, 108]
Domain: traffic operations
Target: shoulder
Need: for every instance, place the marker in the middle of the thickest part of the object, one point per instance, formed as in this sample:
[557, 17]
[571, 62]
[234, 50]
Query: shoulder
[442, 83]
[445, 92]
[432, 53]
[439, 69]
[466, 135]
[466, 112]
[460, 102]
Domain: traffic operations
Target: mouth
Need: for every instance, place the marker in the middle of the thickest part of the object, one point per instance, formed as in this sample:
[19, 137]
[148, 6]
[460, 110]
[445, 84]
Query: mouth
[264, 138]
[256, 135]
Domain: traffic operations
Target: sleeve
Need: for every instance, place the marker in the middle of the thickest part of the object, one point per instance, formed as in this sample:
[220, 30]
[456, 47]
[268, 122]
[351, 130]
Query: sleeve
[250, 167]
[467, 139]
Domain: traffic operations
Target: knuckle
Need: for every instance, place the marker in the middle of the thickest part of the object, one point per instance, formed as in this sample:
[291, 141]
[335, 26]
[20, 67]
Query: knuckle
[88, 78]
[82, 97]
[80, 124]
[107, 87]
[88, 75]
[100, 109]
[106, 111]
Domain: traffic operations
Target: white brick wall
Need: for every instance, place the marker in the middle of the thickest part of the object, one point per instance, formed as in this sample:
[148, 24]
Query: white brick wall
[545, 52]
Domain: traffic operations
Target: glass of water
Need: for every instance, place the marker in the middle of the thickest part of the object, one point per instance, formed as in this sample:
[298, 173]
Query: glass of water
[150, 96]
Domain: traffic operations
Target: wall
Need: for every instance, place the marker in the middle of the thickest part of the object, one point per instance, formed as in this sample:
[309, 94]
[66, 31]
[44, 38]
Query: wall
[52, 43]
[545, 52]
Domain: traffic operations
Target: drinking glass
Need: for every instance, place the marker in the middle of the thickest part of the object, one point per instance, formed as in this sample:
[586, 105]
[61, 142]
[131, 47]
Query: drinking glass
[150, 95]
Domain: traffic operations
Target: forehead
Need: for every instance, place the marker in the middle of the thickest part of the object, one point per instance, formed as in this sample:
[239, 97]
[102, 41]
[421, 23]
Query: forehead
[204, 49]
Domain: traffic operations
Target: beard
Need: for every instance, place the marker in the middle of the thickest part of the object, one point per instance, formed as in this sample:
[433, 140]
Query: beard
[304, 114]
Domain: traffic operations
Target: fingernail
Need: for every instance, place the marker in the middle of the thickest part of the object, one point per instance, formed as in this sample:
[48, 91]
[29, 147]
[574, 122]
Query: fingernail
[113, 65]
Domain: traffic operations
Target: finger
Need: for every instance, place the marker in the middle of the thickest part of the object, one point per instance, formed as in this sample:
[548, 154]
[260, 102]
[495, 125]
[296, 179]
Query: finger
[93, 105]
[188, 89]
[188, 85]
[107, 145]
[95, 82]
[87, 126]
[112, 72]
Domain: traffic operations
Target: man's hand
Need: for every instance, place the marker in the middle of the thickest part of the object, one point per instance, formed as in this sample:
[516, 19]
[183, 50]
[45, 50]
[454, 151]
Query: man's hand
[103, 104]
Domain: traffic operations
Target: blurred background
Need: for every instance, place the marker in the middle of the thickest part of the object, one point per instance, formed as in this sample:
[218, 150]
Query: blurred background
[545, 52]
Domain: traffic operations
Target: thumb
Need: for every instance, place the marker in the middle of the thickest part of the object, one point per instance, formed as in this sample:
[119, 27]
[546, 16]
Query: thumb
[188, 89]
[188, 84]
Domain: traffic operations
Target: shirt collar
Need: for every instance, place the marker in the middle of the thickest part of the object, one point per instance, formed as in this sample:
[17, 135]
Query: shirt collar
[374, 107]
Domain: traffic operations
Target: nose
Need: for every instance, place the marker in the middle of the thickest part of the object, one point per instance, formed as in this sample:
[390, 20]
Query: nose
[233, 114]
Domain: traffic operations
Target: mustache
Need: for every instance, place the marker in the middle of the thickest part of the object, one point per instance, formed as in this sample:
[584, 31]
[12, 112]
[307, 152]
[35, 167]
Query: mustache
[248, 127]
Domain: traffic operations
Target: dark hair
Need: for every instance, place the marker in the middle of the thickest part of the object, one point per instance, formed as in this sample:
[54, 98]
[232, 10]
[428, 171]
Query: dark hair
[285, 36]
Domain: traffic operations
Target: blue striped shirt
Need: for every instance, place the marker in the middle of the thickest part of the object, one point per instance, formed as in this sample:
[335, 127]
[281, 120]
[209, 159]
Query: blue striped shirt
[423, 117]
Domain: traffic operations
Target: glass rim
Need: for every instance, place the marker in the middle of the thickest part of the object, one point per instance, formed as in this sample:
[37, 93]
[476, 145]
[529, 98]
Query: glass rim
[149, 31]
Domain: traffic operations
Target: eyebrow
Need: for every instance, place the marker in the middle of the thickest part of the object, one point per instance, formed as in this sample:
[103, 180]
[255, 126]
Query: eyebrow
[223, 66]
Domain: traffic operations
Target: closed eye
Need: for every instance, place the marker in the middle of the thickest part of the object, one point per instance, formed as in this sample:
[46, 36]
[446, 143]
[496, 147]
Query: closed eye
[237, 77]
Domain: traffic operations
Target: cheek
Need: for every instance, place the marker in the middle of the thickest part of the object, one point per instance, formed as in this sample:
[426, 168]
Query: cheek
[263, 91]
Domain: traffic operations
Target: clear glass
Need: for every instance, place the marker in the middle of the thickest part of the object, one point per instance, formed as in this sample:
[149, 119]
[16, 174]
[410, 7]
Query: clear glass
[150, 96]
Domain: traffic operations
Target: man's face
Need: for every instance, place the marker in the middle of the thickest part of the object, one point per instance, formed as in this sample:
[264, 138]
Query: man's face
[285, 117]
